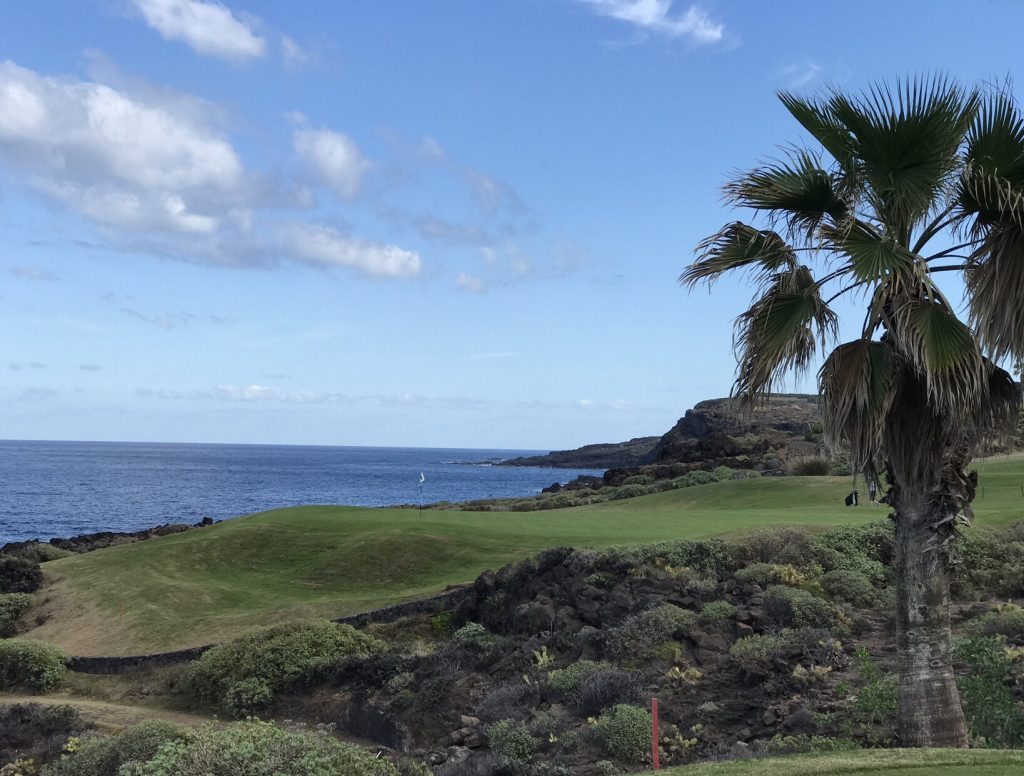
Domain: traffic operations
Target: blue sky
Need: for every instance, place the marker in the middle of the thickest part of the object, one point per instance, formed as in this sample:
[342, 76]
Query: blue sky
[399, 223]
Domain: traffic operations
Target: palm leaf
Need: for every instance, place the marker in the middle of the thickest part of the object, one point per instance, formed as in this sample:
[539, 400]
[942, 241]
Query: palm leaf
[739, 246]
[780, 332]
[816, 118]
[906, 143]
[941, 351]
[995, 288]
[857, 391]
[797, 191]
[873, 256]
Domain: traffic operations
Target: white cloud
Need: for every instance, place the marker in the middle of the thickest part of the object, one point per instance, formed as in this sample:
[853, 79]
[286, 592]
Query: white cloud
[797, 74]
[656, 16]
[471, 283]
[293, 55]
[207, 27]
[334, 159]
[326, 247]
[117, 159]
[33, 273]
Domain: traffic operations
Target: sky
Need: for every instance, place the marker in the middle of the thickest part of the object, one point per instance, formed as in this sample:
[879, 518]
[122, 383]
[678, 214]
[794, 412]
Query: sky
[399, 222]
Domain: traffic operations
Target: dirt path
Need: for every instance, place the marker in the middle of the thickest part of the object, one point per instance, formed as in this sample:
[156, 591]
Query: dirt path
[108, 717]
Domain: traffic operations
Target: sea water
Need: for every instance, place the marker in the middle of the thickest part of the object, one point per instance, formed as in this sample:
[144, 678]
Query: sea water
[63, 489]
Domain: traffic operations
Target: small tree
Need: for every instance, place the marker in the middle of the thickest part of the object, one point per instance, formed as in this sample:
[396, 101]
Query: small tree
[909, 181]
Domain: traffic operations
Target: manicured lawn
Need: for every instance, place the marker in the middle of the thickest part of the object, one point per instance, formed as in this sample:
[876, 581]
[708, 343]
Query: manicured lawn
[214, 583]
[905, 762]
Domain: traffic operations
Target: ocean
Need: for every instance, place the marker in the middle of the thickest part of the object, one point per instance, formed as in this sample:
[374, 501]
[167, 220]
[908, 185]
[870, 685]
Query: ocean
[50, 489]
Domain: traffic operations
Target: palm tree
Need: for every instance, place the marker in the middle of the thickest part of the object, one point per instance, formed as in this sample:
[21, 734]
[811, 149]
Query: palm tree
[903, 182]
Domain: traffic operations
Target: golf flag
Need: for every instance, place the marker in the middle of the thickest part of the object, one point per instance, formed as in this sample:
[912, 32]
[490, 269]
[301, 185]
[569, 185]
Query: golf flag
[422, 478]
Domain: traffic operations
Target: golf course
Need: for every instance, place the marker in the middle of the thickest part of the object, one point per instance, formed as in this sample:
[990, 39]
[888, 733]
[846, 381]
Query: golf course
[208, 585]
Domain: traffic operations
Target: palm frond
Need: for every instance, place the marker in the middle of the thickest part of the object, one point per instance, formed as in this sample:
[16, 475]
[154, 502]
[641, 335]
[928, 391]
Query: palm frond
[780, 332]
[797, 191]
[816, 118]
[874, 257]
[942, 352]
[856, 383]
[906, 142]
[739, 246]
[995, 288]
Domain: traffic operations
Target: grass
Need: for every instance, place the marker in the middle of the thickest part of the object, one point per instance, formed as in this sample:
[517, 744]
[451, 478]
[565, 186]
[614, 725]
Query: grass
[906, 762]
[207, 585]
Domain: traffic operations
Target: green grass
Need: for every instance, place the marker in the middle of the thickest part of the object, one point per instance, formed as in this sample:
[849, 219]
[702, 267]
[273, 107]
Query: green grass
[210, 584]
[906, 762]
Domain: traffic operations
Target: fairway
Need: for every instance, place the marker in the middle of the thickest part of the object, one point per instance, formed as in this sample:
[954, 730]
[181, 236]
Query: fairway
[906, 762]
[210, 584]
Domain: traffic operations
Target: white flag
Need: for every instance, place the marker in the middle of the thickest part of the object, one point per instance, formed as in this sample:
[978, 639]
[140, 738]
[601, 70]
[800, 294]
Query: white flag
[422, 478]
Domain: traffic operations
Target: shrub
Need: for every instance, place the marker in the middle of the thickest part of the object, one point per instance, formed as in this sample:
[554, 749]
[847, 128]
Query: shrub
[12, 606]
[792, 607]
[849, 586]
[638, 479]
[474, 634]
[802, 743]
[765, 574]
[254, 668]
[505, 701]
[135, 745]
[781, 546]
[723, 473]
[988, 702]
[254, 748]
[869, 541]
[759, 655]
[19, 575]
[810, 467]
[568, 680]
[642, 634]
[511, 742]
[1005, 621]
[607, 687]
[720, 615]
[32, 664]
[38, 552]
[628, 491]
[878, 696]
[625, 732]
[696, 477]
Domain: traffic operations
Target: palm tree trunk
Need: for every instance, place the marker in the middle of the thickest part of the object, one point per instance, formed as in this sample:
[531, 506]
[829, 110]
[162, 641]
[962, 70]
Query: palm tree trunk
[930, 714]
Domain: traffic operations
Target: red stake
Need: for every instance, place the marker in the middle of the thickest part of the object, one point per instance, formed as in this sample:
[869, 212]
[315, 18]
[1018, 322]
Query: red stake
[654, 732]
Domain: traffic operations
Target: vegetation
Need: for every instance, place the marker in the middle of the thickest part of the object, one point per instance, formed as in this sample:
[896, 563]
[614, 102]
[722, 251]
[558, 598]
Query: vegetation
[12, 606]
[907, 762]
[897, 176]
[250, 748]
[625, 732]
[33, 665]
[293, 564]
[244, 676]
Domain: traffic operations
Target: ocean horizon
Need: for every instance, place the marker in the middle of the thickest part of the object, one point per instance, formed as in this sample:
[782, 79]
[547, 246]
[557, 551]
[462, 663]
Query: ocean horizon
[64, 488]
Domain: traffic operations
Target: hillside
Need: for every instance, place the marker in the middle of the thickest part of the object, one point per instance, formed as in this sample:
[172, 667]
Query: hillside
[202, 586]
[714, 433]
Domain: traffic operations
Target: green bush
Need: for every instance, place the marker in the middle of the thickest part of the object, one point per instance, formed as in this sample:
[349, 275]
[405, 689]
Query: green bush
[878, 695]
[758, 655]
[19, 575]
[696, 477]
[512, 742]
[625, 732]
[851, 587]
[244, 675]
[474, 634]
[12, 606]
[1006, 621]
[639, 479]
[628, 491]
[254, 748]
[765, 574]
[802, 743]
[104, 756]
[850, 546]
[988, 702]
[35, 665]
[782, 546]
[723, 473]
[720, 615]
[792, 607]
[38, 552]
[642, 634]
[810, 467]
[568, 680]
